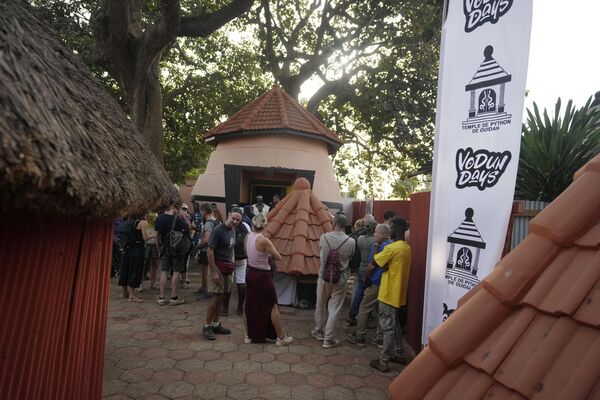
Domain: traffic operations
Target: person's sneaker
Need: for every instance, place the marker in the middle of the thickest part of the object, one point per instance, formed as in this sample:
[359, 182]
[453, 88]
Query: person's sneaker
[328, 344]
[377, 341]
[186, 286]
[140, 289]
[247, 340]
[220, 330]
[285, 341]
[357, 340]
[351, 321]
[379, 366]
[208, 333]
[204, 296]
[155, 286]
[317, 335]
[399, 360]
[162, 301]
[175, 301]
[187, 281]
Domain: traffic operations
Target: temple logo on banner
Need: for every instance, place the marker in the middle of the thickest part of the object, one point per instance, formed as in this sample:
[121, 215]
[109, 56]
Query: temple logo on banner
[464, 248]
[486, 90]
[478, 12]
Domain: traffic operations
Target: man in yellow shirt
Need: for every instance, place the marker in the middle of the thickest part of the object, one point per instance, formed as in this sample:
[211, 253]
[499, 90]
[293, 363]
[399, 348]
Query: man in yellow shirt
[394, 259]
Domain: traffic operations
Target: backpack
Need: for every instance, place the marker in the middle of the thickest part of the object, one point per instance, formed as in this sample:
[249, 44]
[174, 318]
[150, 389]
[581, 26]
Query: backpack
[179, 242]
[333, 267]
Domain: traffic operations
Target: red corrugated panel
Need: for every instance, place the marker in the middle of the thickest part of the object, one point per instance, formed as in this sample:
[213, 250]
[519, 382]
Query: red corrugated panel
[419, 228]
[402, 208]
[55, 282]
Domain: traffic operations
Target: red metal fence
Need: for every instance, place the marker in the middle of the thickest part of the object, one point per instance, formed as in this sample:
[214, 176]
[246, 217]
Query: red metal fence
[54, 299]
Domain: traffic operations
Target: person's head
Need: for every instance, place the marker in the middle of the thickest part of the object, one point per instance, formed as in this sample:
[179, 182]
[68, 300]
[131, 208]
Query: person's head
[259, 199]
[276, 198]
[381, 233]
[248, 211]
[398, 228]
[205, 210]
[368, 218]
[370, 227]
[217, 214]
[213, 205]
[184, 207]
[358, 224]
[389, 215]
[259, 222]
[233, 218]
[339, 222]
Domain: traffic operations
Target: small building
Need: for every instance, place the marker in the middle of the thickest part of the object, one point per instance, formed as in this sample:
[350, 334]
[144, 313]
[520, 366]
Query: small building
[70, 162]
[263, 148]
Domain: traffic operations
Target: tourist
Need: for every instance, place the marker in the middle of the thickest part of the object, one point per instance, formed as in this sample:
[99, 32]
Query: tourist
[261, 314]
[330, 295]
[210, 223]
[221, 261]
[276, 200]
[218, 216]
[372, 278]
[132, 266]
[240, 267]
[188, 218]
[260, 207]
[170, 220]
[363, 247]
[388, 216]
[151, 251]
[394, 259]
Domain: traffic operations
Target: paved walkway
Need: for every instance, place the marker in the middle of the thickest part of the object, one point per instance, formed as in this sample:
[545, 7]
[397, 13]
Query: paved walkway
[155, 352]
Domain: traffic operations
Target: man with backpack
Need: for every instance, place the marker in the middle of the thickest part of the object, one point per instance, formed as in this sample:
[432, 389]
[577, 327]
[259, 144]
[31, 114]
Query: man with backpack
[336, 251]
[170, 225]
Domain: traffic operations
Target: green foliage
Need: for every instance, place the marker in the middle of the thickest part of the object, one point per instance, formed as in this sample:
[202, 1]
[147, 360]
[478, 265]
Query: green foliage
[552, 150]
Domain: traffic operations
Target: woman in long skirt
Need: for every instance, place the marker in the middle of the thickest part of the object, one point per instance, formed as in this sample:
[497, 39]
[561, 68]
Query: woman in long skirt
[261, 312]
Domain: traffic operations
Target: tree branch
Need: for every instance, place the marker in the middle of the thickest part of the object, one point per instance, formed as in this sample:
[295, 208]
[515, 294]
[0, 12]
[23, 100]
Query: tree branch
[204, 25]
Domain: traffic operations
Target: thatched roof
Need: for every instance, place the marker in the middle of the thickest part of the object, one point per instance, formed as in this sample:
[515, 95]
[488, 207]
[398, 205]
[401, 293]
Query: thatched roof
[65, 144]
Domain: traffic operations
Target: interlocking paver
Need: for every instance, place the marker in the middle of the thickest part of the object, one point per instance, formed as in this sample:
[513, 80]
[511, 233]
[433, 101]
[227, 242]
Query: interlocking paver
[158, 353]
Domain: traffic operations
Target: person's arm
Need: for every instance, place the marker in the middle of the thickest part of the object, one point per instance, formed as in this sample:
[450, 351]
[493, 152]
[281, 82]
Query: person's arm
[211, 264]
[383, 257]
[270, 248]
[143, 226]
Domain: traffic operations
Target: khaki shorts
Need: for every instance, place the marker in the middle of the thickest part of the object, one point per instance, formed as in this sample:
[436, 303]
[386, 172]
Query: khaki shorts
[223, 286]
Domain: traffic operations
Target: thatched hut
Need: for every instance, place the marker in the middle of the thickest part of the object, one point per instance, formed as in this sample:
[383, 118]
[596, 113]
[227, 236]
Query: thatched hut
[70, 162]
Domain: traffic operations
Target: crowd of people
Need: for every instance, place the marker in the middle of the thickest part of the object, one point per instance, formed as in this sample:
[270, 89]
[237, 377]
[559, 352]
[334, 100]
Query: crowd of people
[234, 250]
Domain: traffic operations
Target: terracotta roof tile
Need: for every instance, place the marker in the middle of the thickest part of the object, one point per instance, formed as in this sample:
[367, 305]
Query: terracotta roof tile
[295, 227]
[274, 111]
[531, 329]
[592, 165]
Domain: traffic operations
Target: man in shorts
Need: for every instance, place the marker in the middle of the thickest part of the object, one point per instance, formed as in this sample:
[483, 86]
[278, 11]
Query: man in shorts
[210, 223]
[163, 226]
[221, 250]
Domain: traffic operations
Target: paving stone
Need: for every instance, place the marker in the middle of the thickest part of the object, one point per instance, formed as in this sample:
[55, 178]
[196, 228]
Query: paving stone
[117, 397]
[111, 372]
[144, 335]
[225, 347]
[378, 382]
[339, 359]
[331, 370]
[191, 364]
[150, 343]
[291, 379]
[338, 393]
[156, 397]
[299, 349]
[181, 322]
[168, 375]
[229, 378]
[236, 356]
[262, 357]
[360, 370]
[314, 359]
[128, 352]
[158, 364]
[369, 393]
[199, 376]
[181, 354]
[349, 381]
[260, 378]
[176, 389]
[136, 375]
[113, 386]
[175, 345]
[350, 350]
[208, 355]
[218, 365]
[141, 389]
[242, 391]
[131, 363]
[210, 390]
[307, 392]
[320, 381]
[247, 366]
[276, 349]
[124, 342]
[276, 367]
[276, 392]
[253, 348]
[200, 345]
[304, 368]
[155, 352]
[289, 358]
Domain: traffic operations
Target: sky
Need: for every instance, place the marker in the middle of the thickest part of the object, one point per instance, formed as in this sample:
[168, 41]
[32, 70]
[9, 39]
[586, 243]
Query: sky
[564, 57]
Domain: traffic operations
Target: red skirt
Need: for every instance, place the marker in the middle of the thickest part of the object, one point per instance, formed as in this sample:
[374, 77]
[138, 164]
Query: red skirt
[260, 299]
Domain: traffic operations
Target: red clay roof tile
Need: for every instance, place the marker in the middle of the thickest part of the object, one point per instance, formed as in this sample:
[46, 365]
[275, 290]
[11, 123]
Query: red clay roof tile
[532, 327]
[274, 111]
[592, 165]
[295, 228]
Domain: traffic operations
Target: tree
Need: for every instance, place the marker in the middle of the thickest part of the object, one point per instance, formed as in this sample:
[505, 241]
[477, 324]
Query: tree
[552, 150]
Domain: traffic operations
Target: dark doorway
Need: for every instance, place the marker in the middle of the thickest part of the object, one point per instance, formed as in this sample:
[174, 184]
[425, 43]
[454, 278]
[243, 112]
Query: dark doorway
[267, 190]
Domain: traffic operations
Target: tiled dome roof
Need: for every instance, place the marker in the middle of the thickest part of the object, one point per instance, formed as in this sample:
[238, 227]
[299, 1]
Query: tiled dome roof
[531, 329]
[274, 112]
[295, 227]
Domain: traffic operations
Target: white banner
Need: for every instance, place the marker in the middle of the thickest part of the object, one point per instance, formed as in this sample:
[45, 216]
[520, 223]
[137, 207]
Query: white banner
[481, 91]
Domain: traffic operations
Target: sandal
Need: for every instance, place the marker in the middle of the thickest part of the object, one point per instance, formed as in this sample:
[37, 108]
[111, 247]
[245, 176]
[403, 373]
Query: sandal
[135, 300]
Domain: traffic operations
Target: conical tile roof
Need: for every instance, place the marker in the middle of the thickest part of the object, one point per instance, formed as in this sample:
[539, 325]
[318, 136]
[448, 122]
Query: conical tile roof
[274, 112]
[531, 329]
[489, 72]
[295, 227]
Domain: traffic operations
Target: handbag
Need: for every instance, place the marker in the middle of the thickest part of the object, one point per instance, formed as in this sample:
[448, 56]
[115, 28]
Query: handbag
[225, 267]
[179, 242]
